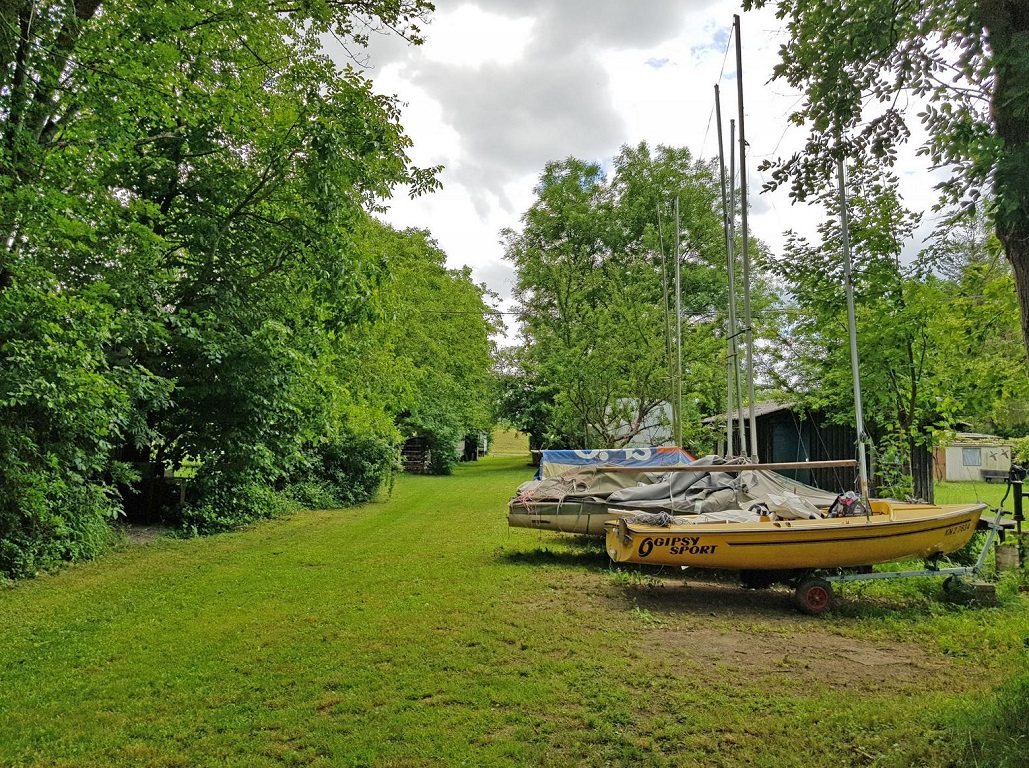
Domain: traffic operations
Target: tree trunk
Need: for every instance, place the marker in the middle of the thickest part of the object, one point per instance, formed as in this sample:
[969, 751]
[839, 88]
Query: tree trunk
[1008, 25]
[922, 479]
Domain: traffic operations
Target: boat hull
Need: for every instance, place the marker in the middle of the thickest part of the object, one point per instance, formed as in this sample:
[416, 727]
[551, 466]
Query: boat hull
[582, 517]
[895, 532]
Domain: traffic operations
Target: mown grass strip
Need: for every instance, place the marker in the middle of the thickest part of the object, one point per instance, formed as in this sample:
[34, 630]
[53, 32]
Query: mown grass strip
[421, 631]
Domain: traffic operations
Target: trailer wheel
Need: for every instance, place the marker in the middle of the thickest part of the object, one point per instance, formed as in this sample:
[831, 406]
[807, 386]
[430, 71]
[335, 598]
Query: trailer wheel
[814, 596]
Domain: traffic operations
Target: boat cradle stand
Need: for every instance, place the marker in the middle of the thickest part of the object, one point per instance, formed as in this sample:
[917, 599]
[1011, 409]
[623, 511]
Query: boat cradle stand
[814, 593]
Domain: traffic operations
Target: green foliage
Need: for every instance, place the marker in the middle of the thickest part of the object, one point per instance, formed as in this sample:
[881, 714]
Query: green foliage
[1020, 451]
[55, 522]
[347, 470]
[429, 359]
[859, 63]
[66, 405]
[180, 185]
[979, 329]
[312, 494]
[222, 503]
[524, 401]
[595, 364]
[356, 466]
[852, 58]
[938, 339]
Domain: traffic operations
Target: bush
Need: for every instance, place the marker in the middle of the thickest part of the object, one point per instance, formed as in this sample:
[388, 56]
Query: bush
[46, 521]
[222, 504]
[312, 494]
[355, 466]
[1020, 451]
[337, 474]
[65, 409]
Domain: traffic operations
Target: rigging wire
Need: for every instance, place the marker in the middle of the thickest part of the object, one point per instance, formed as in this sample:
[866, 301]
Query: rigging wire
[721, 75]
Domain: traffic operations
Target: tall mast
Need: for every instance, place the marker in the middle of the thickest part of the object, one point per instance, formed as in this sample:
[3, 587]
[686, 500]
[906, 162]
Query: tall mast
[731, 347]
[732, 239]
[852, 327]
[746, 252]
[678, 328]
[668, 322]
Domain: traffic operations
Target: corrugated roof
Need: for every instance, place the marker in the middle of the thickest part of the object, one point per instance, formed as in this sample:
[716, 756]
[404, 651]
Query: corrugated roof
[760, 409]
[977, 438]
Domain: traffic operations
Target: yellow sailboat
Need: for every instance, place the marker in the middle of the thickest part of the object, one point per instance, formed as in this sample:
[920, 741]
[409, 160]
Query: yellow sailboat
[892, 531]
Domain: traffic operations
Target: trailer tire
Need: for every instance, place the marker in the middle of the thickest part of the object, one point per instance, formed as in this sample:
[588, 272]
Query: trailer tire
[814, 596]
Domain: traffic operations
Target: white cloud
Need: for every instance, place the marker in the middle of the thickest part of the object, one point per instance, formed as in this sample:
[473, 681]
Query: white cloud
[500, 88]
[470, 37]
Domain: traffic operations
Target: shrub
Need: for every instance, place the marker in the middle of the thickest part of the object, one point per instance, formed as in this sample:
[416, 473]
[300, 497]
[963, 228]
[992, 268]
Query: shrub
[355, 466]
[312, 494]
[47, 521]
[221, 504]
[344, 472]
[65, 408]
[1020, 451]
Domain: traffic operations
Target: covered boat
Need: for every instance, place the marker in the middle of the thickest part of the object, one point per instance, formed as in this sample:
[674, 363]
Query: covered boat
[571, 489]
[581, 498]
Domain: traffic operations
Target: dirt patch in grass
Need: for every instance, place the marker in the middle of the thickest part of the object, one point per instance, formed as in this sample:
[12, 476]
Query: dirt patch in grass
[720, 632]
[805, 659]
[137, 535]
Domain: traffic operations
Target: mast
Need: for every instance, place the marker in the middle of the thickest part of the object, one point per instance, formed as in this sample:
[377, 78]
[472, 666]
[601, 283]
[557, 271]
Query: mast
[668, 322]
[746, 252]
[732, 302]
[731, 349]
[852, 328]
[678, 328]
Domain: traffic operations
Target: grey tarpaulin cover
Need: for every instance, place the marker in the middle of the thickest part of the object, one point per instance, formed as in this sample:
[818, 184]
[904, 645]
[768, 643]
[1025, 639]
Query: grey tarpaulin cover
[594, 491]
[698, 493]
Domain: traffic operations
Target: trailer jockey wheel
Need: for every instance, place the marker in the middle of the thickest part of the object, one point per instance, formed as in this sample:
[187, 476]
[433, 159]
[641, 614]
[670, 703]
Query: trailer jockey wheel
[814, 596]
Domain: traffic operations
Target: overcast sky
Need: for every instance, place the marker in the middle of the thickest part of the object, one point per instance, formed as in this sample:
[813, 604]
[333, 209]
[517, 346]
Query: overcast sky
[500, 88]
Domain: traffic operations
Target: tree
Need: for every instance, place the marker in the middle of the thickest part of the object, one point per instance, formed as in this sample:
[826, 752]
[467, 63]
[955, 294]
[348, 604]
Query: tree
[592, 304]
[523, 400]
[859, 61]
[178, 187]
[980, 334]
[428, 357]
[937, 338]
[899, 348]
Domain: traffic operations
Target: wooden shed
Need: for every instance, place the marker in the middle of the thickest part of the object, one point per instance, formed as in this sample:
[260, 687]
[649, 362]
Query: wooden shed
[972, 456]
[788, 433]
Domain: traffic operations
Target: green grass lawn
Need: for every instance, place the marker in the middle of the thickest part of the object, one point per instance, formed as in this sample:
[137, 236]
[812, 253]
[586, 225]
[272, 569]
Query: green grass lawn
[509, 442]
[962, 492]
[421, 631]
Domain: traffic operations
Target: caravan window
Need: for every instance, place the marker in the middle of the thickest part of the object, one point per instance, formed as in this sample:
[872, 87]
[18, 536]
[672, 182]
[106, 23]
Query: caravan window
[972, 457]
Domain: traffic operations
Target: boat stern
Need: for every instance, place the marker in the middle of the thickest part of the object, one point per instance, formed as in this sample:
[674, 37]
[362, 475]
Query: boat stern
[618, 540]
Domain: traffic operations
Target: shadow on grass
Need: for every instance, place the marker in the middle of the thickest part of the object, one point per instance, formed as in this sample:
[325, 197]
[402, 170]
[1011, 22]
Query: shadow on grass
[717, 593]
[721, 593]
[569, 552]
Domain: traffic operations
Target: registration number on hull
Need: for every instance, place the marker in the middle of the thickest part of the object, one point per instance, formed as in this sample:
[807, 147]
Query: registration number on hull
[958, 528]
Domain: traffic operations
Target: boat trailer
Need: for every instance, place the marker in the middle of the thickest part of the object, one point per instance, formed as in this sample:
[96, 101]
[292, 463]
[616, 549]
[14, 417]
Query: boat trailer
[814, 594]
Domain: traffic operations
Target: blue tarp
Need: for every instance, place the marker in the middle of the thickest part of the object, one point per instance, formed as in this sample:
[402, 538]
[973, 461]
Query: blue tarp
[555, 462]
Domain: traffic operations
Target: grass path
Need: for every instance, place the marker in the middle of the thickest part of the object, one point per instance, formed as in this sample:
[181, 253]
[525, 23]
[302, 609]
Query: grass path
[423, 632]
